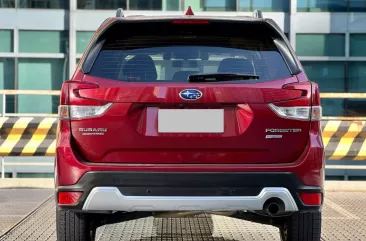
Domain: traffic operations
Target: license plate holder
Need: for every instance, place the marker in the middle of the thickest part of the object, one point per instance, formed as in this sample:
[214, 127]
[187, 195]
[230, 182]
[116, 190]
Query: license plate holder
[191, 121]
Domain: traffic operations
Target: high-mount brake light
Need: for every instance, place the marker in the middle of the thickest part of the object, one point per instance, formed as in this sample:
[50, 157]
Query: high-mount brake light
[313, 113]
[190, 21]
[80, 112]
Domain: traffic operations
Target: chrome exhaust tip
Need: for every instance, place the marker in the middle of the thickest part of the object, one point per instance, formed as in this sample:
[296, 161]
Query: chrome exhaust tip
[274, 207]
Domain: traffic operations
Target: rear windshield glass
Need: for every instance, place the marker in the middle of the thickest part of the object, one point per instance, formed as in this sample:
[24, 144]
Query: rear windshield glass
[166, 52]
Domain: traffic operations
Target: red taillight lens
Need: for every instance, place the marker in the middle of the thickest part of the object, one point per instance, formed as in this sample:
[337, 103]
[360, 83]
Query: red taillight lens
[75, 86]
[316, 113]
[69, 198]
[189, 21]
[64, 96]
[314, 199]
[315, 94]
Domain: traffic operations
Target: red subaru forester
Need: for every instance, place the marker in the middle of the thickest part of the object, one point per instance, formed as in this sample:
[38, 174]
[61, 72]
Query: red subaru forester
[189, 114]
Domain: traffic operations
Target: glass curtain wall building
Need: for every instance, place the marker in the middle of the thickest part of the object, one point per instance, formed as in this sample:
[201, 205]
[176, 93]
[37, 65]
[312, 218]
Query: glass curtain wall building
[41, 41]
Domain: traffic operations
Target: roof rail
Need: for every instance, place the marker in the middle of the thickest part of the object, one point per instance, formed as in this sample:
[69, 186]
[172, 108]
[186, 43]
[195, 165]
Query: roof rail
[119, 13]
[257, 13]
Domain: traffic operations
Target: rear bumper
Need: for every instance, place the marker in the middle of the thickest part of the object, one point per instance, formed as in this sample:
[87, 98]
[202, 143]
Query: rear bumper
[70, 167]
[163, 191]
[110, 198]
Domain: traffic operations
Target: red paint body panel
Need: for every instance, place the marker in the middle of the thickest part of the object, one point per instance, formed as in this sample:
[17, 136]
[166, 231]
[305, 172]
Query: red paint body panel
[132, 124]
[132, 137]
[70, 166]
[132, 145]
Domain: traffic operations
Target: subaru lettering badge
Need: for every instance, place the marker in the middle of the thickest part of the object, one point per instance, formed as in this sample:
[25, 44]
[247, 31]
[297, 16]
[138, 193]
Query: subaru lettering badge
[190, 94]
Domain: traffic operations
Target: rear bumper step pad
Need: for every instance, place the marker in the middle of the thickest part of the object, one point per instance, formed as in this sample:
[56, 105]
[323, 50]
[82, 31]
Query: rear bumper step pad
[111, 199]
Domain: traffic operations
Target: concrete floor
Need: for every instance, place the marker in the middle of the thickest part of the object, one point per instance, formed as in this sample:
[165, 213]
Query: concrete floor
[344, 218]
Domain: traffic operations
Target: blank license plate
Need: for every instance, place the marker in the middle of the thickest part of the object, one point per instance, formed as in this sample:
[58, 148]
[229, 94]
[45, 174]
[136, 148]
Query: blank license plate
[191, 121]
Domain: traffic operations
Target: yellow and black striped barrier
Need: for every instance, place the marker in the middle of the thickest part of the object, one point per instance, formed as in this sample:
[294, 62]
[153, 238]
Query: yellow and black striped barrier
[344, 140]
[27, 136]
[36, 136]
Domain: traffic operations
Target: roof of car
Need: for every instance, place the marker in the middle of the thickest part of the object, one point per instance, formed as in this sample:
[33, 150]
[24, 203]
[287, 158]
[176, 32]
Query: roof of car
[112, 20]
[189, 14]
[131, 18]
[171, 17]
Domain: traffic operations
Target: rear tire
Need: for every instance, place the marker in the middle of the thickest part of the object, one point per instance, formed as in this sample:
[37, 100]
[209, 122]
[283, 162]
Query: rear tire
[73, 226]
[302, 227]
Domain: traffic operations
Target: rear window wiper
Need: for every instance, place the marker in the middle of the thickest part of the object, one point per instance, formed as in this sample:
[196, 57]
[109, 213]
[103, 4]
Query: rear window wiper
[218, 77]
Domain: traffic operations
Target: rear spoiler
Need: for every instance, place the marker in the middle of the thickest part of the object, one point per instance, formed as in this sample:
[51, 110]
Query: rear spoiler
[256, 13]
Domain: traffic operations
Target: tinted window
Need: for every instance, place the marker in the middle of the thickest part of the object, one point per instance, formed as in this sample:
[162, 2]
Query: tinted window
[149, 57]
[265, 5]
[6, 41]
[321, 5]
[356, 84]
[357, 5]
[7, 4]
[53, 4]
[320, 44]
[146, 5]
[101, 4]
[41, 41]
[357, 44]
[218, 5]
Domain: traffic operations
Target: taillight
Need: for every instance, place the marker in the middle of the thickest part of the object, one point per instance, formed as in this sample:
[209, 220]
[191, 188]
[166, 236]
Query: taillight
[316, 113]
[302, 108]
[69, 198]
[64, 96]
[298, 112]
[63, 112]
[313, 199]
[67, 110]
[78, 85]
[80, 112]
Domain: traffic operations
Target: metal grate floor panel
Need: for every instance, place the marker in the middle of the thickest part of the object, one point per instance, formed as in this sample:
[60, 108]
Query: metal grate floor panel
[344, 219]
[15, 204]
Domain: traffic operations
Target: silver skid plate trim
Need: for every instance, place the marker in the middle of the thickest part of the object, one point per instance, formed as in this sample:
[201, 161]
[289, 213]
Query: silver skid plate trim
[111, 199]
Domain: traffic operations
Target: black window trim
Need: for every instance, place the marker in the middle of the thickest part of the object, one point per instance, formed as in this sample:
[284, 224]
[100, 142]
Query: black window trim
[92, 56]
[285, 49]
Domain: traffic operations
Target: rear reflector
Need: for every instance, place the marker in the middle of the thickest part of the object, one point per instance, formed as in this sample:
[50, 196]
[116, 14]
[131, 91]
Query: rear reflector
[69, 198]
[314, 199]
[188, 21]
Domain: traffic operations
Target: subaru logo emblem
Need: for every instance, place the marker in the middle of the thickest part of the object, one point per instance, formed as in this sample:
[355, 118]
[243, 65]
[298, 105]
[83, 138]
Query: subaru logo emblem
[190, 94]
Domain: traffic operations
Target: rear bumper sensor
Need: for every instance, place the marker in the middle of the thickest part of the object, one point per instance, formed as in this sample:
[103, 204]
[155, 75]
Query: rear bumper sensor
[111, 199]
